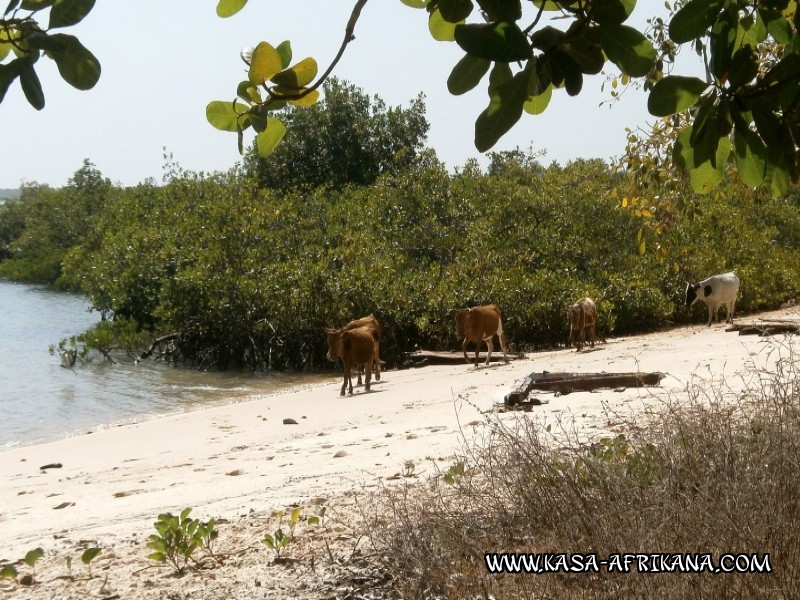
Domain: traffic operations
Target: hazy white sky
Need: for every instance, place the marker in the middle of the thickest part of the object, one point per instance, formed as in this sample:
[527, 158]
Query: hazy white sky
[164, 60]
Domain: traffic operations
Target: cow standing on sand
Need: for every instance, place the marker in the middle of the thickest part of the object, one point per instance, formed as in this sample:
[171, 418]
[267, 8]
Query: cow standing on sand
[715, 291]
[353, 346]
[479, 324]
[582, 316]
[371, 323]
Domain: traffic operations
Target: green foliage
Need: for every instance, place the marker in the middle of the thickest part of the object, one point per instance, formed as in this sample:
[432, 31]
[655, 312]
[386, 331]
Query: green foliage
[278, 541]
[22, 35]
[38, 228]
[347, 138]
[179, 537]
[88, 556]
[8, 571]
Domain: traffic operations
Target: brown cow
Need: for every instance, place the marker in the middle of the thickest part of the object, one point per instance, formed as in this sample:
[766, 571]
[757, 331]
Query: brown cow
[371, 323]
[477, 324]
[582, 316]
[353, 346]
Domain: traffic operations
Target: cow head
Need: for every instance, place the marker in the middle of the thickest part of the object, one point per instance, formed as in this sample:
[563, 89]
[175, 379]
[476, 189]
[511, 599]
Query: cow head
[334, 341]
[461, 320]
[691, 293]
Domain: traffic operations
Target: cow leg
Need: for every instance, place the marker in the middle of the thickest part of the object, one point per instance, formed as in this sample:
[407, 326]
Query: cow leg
[710, 315]
[367, 374]
[376, 361]
[344, 383]
[594, 334]
[502, 337]
[464, 348]
[489, 349]
[731, 308]
[360, 368]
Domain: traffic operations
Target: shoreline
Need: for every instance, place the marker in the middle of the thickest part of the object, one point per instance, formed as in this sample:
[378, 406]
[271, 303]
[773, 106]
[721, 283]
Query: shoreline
[231, 460]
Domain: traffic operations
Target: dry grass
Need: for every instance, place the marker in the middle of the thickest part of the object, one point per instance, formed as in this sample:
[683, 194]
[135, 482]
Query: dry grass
[712, 472]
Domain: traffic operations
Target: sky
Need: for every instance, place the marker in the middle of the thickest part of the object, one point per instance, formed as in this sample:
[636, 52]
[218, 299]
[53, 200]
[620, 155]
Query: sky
[164, 60]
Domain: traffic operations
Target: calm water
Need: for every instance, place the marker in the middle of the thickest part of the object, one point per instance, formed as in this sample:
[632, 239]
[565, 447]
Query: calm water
[41, 401]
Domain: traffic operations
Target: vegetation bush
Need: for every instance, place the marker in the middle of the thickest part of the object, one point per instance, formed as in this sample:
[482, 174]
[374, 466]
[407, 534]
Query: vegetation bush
[712, 472]
[240, 270]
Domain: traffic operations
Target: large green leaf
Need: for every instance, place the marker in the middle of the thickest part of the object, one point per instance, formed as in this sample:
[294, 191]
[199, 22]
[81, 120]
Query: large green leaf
[586, 51]
[415, 3]
[751, 157]
[268, 140]
[227, 116]
[502, 10]
[611, 12]
[265, 63]
[31, 86]
[743, 67]
[629, 49]
[777, 25]
[499, 42]
[467, 74]
[227, 8]
[723, 37]
[69, 12]
[35, 5]
[441, 30]
[536, 105]
[692, 21]
[76, 64]
[507, 97]
[455, 11]
[703, 176]
[300, 75]
[673, 94]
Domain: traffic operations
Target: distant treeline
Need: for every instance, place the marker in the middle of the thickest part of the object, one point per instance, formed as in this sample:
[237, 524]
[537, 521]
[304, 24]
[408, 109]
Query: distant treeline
[246, 276]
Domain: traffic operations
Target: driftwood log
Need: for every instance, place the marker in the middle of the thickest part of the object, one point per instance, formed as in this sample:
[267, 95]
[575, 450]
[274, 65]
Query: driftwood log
[766, 327]
[430, 357]
[565, 383]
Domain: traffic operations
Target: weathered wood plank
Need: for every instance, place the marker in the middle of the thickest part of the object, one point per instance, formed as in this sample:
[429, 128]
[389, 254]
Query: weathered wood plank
[431, 357]
[565, 383]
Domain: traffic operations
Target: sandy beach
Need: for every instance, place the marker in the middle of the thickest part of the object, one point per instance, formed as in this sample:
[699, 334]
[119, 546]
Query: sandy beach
[241, 462]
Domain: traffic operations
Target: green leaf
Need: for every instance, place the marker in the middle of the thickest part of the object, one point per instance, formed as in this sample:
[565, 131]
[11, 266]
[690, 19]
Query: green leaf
[284, 49]
[778, 177]
[703, 176]
[751, 157]
[415, 3]
[498, 42]
[31, 85]
[586, 51]
[265, 63]
[11, 6]
[313, 520]
[502, 10]
[777, 25]
[8, 572]
[693, 19]
[8, 73]
[467, 74]
[34, 5]
[611, 12]
[300, 75]
[295, 517]
[536, 105]
[268, 140]
[455, 11]
[69, 12]
[441, 30]
[507, 97]
[248, 92]
[743, 67]
[158, 556]
[227, 116]
[32, 556]
[228, 8]
[89, 555]
[722, 40]
[629, 49]
[76, 64]
[674, 93]
[4, 50]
